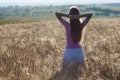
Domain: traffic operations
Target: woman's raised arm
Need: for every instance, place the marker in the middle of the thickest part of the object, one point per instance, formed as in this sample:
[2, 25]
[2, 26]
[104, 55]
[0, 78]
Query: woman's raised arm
[60, 15]
[86, 20]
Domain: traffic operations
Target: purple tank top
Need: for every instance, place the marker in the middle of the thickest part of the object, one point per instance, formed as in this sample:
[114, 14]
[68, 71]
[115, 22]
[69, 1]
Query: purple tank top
[70, 43]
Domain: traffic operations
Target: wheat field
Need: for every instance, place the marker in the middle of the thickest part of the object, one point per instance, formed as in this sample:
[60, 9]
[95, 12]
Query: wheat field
[34, 50]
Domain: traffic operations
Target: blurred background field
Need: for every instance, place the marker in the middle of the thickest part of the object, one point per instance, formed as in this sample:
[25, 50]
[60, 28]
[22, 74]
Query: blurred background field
[15, 14]
[33, 50]
[32, 42]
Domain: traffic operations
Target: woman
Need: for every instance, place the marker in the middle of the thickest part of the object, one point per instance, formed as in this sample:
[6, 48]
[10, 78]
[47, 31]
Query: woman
[73, 52]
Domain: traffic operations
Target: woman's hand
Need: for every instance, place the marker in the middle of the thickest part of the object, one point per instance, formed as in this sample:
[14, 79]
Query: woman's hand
[73, 16]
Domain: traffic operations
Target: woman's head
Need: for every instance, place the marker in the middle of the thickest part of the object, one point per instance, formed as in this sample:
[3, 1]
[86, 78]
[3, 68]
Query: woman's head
[74, 11]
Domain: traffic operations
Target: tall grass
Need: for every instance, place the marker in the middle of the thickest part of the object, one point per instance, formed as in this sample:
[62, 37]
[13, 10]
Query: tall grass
[33, 51]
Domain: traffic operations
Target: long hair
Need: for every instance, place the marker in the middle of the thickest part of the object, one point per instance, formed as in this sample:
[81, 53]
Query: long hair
[76, 28]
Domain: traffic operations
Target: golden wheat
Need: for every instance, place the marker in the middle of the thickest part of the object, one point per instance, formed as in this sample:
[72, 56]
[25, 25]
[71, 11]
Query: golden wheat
[33, 51]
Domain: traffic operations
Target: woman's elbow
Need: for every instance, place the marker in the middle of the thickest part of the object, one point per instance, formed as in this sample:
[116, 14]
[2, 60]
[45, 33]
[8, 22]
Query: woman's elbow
[57, 14]
[90, 15]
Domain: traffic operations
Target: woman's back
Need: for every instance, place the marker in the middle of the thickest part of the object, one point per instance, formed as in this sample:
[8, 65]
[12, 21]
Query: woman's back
[69, 43]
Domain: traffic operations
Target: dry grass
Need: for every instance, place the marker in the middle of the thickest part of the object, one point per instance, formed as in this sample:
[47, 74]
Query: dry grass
[33, 51]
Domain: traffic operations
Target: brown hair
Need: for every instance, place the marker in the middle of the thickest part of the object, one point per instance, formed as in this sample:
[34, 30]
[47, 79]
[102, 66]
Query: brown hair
[76, 28]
